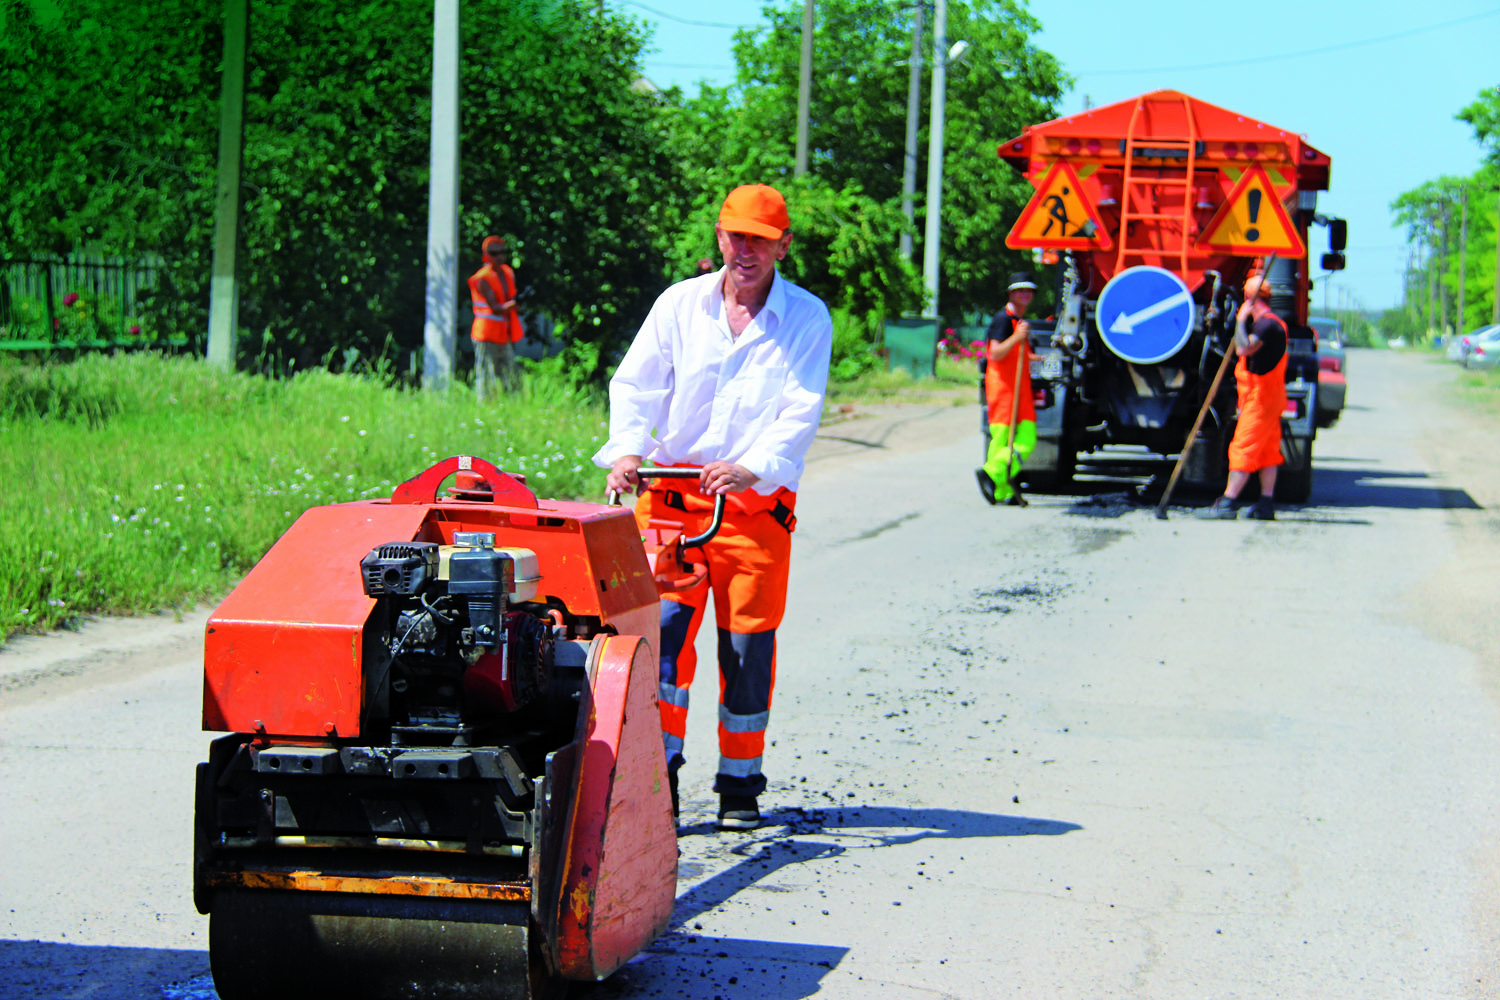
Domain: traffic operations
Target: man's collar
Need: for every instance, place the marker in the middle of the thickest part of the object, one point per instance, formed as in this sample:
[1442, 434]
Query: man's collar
[775, 296]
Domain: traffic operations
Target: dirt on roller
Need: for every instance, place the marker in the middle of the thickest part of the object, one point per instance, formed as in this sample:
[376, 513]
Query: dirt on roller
[1065, 750]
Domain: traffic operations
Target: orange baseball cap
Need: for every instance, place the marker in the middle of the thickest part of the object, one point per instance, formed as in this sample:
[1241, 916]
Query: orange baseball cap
[756, 209]
[492, 243]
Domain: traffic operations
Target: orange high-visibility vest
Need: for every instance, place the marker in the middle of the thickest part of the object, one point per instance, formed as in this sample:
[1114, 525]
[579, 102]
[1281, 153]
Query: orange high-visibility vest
[490, 326]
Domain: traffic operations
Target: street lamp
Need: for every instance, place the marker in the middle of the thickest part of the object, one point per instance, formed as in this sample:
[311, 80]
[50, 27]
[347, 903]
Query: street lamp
[940, 61]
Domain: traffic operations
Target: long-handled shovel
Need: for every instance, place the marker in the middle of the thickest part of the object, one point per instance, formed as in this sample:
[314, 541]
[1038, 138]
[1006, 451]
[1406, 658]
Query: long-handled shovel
[1213, 390]
[1022, 349]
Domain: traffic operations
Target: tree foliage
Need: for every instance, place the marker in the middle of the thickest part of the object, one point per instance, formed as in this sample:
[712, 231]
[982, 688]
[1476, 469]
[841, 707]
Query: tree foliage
[117, 147]
[1445, 258]
[857, 119]
[606, 190]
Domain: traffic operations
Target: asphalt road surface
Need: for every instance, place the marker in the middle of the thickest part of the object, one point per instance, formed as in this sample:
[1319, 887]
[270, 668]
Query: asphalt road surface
[1069, 750]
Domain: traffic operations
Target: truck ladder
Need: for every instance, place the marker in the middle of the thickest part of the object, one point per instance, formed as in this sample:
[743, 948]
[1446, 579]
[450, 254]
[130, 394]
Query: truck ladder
[1147, 188]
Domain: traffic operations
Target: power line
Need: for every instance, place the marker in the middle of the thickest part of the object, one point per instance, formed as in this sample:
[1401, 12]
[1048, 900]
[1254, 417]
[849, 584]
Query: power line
[680, 20]
[1290, 55]
[672, 65]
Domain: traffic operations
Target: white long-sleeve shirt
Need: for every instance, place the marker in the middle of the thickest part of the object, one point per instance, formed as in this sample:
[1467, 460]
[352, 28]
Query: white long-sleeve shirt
[688, 392]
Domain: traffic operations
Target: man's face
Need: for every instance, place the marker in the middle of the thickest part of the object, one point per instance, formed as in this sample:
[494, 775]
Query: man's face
[751, 260]
[1020, 300]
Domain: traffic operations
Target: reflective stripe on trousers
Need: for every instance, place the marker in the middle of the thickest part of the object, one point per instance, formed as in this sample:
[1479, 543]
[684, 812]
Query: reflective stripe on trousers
[747, 574]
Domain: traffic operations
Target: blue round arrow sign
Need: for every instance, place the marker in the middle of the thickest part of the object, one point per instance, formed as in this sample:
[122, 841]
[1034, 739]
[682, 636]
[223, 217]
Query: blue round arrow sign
[1145, 314]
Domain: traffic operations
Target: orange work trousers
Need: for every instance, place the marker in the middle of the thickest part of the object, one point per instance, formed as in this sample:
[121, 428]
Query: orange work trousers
[748, 563]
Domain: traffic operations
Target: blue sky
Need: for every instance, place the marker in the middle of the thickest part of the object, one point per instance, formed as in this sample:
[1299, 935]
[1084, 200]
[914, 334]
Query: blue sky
[1374, 84]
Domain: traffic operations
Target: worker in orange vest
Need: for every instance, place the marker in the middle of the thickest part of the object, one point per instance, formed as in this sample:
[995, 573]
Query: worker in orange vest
[1260, 337]
[492, 290]
[1007, 373]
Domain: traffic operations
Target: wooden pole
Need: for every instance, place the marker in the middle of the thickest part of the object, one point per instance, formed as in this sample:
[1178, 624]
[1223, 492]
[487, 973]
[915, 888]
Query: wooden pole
[1021, 349]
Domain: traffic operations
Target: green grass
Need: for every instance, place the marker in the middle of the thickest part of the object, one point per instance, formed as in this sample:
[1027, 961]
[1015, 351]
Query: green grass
[139, 482]
[956, 382]
[1480, 389]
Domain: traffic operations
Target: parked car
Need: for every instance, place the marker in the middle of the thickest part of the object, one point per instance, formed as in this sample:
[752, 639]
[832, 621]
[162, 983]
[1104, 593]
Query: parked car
[1459, 344]
[1332, 379]
[1484, 349]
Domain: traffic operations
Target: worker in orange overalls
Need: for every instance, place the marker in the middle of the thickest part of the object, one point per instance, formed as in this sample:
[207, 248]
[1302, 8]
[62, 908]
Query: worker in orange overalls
[1007, 373]
[492, 290]
[1260, 337]
[728, 372]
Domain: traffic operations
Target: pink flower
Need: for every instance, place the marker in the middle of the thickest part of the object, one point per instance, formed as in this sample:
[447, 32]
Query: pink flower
[135, 330]
[70, 298]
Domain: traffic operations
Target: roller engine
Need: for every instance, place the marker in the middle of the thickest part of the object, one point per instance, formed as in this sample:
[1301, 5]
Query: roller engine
[445, 776]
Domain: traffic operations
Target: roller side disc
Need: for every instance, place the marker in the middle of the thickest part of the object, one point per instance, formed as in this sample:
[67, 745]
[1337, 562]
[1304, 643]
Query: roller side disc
[327, 945]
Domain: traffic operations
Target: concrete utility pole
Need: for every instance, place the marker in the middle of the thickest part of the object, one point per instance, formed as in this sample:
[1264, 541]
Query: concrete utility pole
[439, 335]
[933, 230]
[224, 288]
[913, 112]
[1463, 252]
[804, 87]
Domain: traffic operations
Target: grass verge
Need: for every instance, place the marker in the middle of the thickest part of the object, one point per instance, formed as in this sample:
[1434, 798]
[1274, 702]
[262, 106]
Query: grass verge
[1480, 389]
[139, 482]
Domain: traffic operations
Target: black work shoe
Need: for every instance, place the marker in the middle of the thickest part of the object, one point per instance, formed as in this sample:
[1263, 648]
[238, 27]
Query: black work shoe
[672, 784]
[1222, 510]
[986, 486]
[1264, 510]
[1015, 499]
[738, 812]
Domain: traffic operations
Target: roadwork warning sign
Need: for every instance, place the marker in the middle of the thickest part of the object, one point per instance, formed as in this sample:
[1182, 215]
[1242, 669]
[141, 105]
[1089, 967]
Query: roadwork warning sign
[1059, 216]
[1251, 222]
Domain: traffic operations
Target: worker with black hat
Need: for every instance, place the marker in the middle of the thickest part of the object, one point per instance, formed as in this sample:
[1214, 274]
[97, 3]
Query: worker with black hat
[1011, 412]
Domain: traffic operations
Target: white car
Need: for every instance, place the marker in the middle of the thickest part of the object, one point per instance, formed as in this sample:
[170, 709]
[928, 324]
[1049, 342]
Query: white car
[1459, 344]
[1484, 348]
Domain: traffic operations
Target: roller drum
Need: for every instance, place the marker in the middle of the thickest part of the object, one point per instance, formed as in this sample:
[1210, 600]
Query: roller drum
[329, 945]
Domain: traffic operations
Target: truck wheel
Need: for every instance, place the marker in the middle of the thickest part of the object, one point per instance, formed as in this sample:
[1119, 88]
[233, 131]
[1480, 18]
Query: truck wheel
[1294, 480]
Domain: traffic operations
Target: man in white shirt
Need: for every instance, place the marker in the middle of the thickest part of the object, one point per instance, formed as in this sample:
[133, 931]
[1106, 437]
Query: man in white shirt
[728, 372]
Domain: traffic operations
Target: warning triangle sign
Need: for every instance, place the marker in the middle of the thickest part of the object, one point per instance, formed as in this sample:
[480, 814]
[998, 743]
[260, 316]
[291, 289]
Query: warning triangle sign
[1059, 215]
[1251, 222]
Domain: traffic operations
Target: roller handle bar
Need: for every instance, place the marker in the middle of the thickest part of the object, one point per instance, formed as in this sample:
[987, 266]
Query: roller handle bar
[658, 472]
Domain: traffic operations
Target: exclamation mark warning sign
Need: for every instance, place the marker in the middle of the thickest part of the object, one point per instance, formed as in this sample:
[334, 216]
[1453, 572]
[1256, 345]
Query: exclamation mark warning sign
[1252, 221]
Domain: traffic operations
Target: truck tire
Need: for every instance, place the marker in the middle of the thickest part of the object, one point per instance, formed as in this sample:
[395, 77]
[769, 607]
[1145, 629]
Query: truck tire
[1294, 479]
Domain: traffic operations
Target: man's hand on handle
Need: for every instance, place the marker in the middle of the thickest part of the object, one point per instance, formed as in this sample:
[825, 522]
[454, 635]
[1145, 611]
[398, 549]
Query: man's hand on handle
[622, 477]
[724, 477]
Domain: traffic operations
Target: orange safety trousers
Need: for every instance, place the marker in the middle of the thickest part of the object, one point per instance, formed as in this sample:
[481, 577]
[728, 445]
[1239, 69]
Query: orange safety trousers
[748, 564]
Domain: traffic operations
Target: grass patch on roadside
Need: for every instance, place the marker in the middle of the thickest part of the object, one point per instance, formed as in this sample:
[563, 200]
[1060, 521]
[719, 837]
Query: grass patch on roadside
[956, 382]
[1480, 389]
[138, 482]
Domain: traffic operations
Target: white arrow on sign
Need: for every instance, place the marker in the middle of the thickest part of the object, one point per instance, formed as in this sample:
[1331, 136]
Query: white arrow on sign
[1127, 324]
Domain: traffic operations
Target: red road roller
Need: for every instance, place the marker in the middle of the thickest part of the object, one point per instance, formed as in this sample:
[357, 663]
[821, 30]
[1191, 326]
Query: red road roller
[444, 776]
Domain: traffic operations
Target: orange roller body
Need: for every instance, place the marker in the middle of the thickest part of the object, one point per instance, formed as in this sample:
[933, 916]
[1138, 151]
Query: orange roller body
[444, 728]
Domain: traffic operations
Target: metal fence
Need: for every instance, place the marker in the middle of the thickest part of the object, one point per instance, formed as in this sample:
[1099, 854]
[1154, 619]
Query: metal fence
[85, 301]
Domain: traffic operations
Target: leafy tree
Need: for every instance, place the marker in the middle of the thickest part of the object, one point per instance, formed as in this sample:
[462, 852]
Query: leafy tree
[1484, 116]
[116, 146]
[857, 128]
